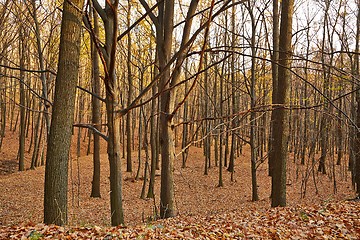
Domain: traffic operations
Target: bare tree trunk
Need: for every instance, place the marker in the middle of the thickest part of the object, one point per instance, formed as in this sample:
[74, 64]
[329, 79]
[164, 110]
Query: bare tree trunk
[274, 70]
[22, 98]
[253, 121]
[357, 141]
[326, 75]
[96, 121]
[153, 145]
[110, 20]
[184, 141]
[278, 183]
[57, 156]
[165, 34]
[128, 116]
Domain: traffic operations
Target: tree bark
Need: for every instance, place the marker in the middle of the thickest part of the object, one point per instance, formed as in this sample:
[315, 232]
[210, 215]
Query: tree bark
[279, 144]
[22, 99]
[130, 92]
[95, 184]
[57, 156]
[357, 141]
[274, 72]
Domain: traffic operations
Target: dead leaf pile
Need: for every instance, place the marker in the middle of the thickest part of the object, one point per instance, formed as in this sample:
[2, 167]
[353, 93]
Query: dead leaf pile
[205, 210]
[338, 220]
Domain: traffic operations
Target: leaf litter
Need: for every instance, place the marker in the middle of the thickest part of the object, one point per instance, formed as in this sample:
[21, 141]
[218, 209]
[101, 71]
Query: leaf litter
[205, 211]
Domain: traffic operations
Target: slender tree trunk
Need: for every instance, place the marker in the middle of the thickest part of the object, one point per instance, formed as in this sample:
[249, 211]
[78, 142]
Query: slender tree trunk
[22, 99]
[274, 71]
[153, 145]
[96, 115]
[253, 121]
[165, 33]
[42, 66]
[128, 116]
[117, 215]
[109, 17]
[357, 75]
[279, 144]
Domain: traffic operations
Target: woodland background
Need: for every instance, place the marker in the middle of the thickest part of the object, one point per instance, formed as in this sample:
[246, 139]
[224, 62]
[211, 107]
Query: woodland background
[189, 90]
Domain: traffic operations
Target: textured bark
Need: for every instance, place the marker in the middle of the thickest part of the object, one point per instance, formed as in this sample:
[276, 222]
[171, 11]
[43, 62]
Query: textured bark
[56, 171]
[279, 144]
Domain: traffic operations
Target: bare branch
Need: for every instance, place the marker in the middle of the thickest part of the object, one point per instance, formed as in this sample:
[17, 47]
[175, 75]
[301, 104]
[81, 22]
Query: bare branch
[93, 128]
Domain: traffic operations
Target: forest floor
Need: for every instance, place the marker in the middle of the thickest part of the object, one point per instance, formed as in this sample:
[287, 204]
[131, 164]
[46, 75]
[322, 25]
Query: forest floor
[205, 211]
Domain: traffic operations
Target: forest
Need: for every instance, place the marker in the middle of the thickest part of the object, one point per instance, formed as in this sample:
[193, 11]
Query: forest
[179, 119]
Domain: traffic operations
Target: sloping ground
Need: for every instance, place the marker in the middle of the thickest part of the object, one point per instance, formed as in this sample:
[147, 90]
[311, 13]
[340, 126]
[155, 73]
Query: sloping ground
[204, 209]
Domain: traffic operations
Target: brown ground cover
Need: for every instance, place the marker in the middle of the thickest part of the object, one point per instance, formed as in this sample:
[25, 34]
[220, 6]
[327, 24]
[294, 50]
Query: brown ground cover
[205, 210]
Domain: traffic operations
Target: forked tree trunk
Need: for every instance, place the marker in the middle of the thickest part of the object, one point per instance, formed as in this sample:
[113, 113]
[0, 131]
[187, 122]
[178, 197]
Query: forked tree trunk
[164, 44]
[109, 17]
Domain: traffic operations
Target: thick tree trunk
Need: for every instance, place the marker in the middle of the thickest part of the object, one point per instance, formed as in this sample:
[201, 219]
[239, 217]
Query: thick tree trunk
[57, 156]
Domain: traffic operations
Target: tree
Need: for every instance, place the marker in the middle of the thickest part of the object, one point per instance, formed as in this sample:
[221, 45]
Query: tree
[164, 44]
[108, 52]
[357, 136]
[95, 184]
[274, 71]
[22, 46]
[57, 156]
[130, 92]
[279, 145]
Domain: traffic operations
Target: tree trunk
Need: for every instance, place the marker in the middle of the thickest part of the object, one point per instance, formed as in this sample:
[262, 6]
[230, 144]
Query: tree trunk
[109, 17]
[117, 215]
[274, 71]
[22, 99]
[128, 116]
[167, 206]
[57, 156]
[253, 121]
[279, 145]
[357, 141]
[96, 121]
